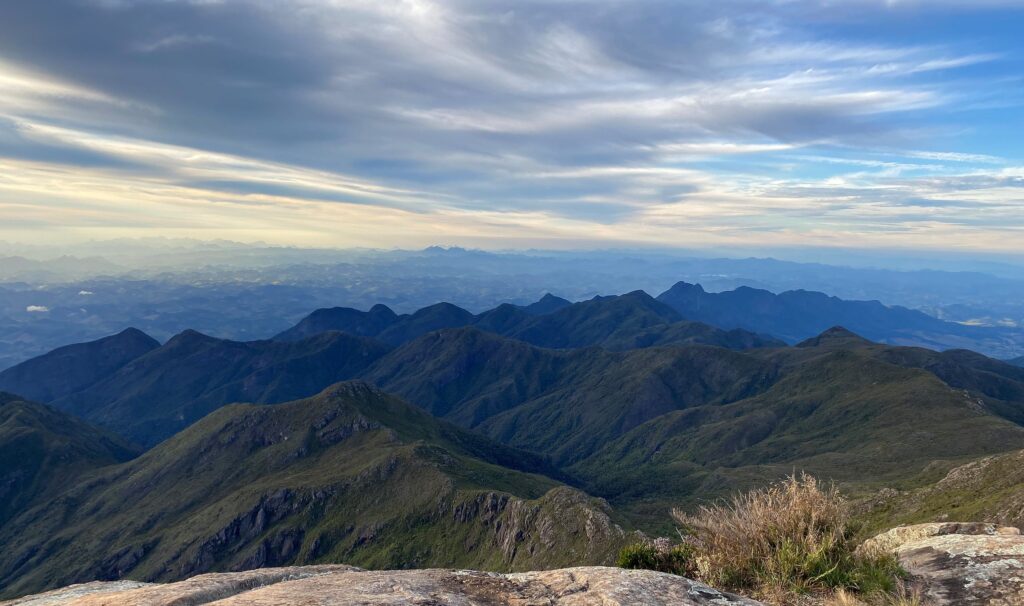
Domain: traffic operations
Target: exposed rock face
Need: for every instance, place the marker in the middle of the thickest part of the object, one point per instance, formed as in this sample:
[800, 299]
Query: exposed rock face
[347, 586]
[991, 488]
[961, 564]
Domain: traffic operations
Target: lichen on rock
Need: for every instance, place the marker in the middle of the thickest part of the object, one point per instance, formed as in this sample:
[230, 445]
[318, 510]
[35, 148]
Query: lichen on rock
[960, 564]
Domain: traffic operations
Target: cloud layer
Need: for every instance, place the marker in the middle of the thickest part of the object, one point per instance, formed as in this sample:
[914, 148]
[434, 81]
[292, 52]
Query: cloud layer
[514, 122]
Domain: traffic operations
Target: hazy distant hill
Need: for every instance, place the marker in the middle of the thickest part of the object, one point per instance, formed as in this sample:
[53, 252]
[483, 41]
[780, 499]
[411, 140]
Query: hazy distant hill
[615, 322]
[61, 268]
[170, 387]
[1017, 361]
[350, 475]
[549, 303]
[799, 314]
[243, 292]
[72, 368]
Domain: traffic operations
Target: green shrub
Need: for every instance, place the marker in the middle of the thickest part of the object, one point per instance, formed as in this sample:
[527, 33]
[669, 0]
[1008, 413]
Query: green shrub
[647, 556]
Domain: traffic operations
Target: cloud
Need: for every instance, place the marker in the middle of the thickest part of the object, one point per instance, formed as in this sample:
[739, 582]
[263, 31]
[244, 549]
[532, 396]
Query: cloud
[37, 309]
[392, 122]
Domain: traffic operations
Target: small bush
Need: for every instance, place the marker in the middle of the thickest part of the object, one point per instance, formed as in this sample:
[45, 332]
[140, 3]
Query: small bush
[648, 556]
[792, 537]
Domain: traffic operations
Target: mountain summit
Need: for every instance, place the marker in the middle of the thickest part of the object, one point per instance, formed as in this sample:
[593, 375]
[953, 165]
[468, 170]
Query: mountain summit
[837, 336]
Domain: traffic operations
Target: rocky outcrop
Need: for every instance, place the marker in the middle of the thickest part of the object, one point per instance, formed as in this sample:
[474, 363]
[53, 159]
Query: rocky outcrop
[347, 586]
[991, 488]
[961, 564]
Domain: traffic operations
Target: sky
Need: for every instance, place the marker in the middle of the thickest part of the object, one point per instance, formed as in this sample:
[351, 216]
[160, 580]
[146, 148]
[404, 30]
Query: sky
[865, 124]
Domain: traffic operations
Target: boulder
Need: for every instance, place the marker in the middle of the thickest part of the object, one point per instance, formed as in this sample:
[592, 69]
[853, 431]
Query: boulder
[962, 564]
[347, 586]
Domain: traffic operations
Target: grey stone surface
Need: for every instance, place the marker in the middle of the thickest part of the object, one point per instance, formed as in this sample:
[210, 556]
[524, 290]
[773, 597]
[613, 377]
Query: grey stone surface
[347, 586]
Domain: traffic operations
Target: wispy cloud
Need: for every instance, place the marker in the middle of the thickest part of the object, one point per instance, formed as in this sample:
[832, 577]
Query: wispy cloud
[419, 121]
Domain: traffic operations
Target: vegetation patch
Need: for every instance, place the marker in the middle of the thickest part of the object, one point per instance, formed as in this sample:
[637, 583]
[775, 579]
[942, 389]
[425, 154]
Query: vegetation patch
[780, 543]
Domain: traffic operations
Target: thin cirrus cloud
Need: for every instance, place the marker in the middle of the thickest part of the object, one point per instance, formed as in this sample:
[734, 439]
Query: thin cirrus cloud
[511, 123]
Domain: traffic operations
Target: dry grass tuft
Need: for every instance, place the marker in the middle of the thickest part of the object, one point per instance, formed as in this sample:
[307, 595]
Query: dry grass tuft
[789, 539]
[843, 597]
[904, 596]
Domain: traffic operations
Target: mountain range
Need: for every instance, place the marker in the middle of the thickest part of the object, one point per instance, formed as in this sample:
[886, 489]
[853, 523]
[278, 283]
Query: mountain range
[168, 387]
[617, 322]
[790, 316]
[520, 437]
[350, 474]
[796, 315]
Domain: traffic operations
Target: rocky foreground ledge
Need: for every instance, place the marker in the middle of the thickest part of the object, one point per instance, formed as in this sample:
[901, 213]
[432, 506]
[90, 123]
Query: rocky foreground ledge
[953, 564]
[348, 586]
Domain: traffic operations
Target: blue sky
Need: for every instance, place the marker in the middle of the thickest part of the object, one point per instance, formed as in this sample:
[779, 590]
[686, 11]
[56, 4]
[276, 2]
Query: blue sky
[568, 123]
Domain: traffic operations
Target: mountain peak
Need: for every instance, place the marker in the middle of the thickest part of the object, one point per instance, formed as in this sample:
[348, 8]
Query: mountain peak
[547, 304]
[381, 309]
[72, 368]
[681, 287]
[442, 306]
[352, 387]
[190, 336]
[134, 334]
[685, 298]
[638, 294]
[837, 336]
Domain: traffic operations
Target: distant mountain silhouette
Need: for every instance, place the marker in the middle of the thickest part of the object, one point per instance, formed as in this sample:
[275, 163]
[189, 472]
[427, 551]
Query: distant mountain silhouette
[614, 322]
[72, 368]
[796, 315]
[169, 388]
[354, 322]
[837, 336]
[549, 303]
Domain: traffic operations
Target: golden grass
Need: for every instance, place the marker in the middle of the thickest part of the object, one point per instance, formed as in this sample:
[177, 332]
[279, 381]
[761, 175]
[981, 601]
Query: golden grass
[789, 539]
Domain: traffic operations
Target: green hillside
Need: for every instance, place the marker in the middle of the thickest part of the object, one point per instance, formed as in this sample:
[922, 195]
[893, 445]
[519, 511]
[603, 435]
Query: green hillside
[42, 451]
[351, 475]
[563, 403]
[841, 410]
[990, 489]
[657, 427]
